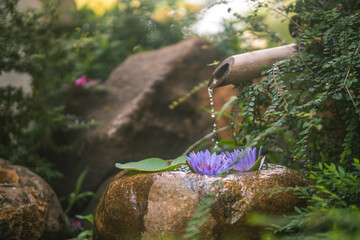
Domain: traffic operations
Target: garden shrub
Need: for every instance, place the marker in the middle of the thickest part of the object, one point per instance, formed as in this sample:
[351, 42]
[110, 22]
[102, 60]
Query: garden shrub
[306, 113]
[32, 42]
[312, 99]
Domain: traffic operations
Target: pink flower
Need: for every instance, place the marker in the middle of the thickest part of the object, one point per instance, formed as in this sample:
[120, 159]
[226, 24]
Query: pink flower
[80, 82]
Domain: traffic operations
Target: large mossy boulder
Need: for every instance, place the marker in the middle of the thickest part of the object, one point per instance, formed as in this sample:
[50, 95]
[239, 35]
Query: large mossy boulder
[29, 208]
[160, 205]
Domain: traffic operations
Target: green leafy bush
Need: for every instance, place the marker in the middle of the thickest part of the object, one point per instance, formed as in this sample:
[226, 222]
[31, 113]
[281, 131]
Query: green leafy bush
[33, 126]
[306, 113]
[333, 209]
[312, 99]
[26, 120]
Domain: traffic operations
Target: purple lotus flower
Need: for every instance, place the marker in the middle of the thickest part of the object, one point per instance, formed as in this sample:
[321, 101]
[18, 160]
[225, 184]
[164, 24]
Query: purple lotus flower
[213, 164]
[208, 164]
[243, 161]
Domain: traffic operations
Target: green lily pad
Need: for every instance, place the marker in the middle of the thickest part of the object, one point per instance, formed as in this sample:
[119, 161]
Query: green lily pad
[259, 162]
[152, 165]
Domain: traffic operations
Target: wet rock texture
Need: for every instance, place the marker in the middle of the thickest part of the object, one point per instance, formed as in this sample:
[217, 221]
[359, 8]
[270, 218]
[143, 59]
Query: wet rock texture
[136, 121]
[160, 205]
[29, 208]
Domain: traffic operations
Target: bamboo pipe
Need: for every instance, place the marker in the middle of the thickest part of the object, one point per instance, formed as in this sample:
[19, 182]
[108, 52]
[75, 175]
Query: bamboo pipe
[247, 66]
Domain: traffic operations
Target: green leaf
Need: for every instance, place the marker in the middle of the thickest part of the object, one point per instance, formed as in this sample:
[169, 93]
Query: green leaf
[84, 194]
[337, 96]
[226, 106]
[178, 161]
[149, 164]
[202, 139]
[89, 218]
[67, 222]
[341, 170]
[257, 164]
[79, 182]
[84, 234]
[297, 209]
[152, 165]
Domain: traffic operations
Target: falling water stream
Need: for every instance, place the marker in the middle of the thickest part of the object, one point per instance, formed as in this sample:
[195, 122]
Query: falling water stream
[212, 109]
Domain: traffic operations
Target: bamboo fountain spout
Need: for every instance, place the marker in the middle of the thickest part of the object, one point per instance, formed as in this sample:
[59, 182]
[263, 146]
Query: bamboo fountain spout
[247, 66]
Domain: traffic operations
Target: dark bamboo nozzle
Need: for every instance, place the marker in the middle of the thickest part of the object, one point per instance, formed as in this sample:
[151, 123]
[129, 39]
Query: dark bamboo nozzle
[247, 66]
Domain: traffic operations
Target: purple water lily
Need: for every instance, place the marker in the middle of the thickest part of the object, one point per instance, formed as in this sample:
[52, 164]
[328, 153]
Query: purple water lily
[213, 164]
[208, 164]
[244, 161]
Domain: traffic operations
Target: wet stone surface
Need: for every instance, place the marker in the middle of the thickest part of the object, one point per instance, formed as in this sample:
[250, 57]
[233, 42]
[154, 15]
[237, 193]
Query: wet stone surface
[29, 208]
[160, 205]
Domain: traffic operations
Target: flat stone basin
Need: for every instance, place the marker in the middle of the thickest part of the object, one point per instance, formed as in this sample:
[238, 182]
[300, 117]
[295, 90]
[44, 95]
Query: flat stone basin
[160, 205]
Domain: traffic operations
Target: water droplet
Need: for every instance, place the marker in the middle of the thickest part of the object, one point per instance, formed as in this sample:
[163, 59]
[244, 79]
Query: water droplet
[212, 109]
[210, 91]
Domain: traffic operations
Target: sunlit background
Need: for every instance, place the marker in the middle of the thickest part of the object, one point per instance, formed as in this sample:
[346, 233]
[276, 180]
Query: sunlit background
[211, 14]
[210, 17]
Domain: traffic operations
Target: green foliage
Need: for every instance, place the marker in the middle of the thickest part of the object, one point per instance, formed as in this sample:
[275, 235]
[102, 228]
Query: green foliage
[341, 188]
[76, 195]
[333, 209]
[306, 113]
[312, 99]
[196, 88]
[26, 120]
[100, 43]
[85, 233]
[37, 126]
[259, 162]
[75, 198]
[153, 165]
